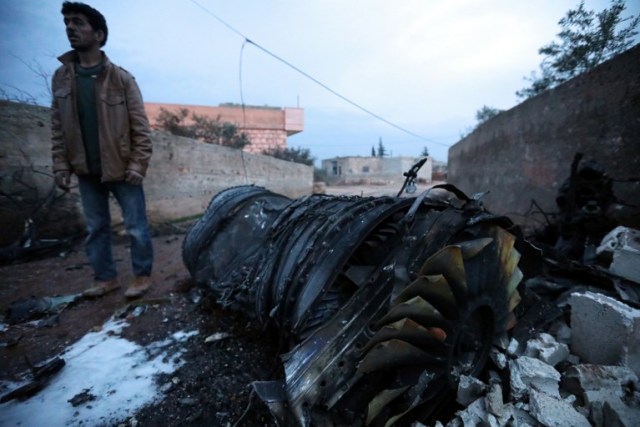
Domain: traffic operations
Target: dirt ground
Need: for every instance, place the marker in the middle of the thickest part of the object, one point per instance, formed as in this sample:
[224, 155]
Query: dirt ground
[211, 388]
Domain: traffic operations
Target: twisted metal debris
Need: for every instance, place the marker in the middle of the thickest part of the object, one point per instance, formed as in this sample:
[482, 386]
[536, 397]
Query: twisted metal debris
[385, 302]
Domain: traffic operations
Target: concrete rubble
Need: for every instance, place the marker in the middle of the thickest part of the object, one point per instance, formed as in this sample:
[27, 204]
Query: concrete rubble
[577, 369]
[578, 374]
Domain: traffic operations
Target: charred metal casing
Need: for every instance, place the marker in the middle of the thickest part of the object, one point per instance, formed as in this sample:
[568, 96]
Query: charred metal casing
[385, 301]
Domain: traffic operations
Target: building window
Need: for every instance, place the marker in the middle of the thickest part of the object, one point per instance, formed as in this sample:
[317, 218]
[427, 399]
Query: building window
[365, 169]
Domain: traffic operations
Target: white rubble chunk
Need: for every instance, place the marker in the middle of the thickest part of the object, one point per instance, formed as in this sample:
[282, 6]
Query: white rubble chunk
[515, 416]
[469, 389]
[554, 412]
[528, 372]
[495, 404]
[561, 332]
[622, 246]
[547, 349]
[513, 346]
[605, 331]
[498, 358]
[492, 421]
[473, 415]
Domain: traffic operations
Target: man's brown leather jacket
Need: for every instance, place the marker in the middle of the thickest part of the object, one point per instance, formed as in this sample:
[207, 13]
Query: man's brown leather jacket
[123, 126]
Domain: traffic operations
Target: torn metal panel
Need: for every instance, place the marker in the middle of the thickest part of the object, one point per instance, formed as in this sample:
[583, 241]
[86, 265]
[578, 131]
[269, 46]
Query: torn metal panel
[385, 302]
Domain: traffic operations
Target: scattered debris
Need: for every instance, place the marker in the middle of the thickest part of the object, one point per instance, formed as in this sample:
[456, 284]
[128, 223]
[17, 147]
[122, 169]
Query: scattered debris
[40, 376]
[83, 397]
[216, 337]
[34, 308]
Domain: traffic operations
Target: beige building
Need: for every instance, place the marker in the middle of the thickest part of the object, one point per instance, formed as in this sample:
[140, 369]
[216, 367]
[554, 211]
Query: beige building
[266, 127]
[373, 170]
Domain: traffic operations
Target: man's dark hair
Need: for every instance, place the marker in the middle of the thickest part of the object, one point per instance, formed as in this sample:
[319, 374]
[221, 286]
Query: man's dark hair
[95, 18]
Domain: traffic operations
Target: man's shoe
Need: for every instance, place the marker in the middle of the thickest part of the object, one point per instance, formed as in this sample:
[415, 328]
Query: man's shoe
[100, 288]
[139, 287]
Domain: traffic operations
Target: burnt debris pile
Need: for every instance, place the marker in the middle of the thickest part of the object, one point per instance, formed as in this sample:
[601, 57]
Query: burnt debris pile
[386, 304]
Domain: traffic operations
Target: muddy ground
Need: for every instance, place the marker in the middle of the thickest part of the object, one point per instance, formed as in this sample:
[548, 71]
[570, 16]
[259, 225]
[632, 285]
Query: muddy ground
[211, 388]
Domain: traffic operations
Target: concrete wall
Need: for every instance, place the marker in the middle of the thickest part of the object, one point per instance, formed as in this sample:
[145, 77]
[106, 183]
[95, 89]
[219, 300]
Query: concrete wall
[525, 153]
[182, 177]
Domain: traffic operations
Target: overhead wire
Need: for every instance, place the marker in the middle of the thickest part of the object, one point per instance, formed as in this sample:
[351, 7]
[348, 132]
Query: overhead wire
[308, 76]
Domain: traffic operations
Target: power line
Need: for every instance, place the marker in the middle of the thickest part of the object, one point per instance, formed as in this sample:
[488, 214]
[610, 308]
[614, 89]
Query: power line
[313, 79]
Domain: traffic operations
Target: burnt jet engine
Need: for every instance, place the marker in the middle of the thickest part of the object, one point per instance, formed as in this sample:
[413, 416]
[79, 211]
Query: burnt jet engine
[385, 302]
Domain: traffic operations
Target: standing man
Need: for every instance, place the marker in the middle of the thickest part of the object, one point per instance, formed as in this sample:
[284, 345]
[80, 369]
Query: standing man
[100, 132]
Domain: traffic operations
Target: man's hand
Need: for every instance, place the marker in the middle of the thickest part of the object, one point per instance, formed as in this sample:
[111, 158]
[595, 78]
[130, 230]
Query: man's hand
[133, 177]
[63, 180]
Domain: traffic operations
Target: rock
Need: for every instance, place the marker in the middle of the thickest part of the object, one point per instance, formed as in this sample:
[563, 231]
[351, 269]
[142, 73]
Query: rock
[605, 331]
[554, 412]
[547, 349]
[527, 372]
[469, 390]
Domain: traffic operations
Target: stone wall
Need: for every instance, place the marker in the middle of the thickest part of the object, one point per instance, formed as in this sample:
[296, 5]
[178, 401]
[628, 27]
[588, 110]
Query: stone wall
[525, 153]
[182, 178]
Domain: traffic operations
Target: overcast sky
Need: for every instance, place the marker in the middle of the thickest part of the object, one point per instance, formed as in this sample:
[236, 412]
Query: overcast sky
[426, 66]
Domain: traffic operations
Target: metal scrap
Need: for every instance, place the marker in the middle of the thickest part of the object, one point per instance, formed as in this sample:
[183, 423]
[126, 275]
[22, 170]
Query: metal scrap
[385, 302]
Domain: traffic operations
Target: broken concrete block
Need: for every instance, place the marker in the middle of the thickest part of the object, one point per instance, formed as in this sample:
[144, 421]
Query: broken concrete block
[492, 421]
[561, 332]
[579, 379]
[498, 358]
[527, 372]
[547, 349]
[554, 412]
[597, 385]
[605, 331]
[474, 414]
[512, 348]
[515, 416]
[622, 246]
[469, 390]
[619, 414]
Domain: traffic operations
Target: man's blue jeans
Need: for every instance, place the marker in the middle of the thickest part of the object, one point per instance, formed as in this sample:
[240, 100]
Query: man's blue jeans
[95, 203]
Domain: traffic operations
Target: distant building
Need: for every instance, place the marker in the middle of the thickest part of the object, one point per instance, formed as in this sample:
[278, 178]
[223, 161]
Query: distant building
[373, 170]
[266, 127]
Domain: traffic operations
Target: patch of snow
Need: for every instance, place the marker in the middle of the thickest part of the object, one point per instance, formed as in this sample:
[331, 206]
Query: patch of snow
[119, 373]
